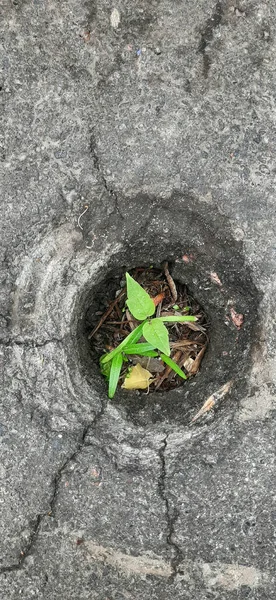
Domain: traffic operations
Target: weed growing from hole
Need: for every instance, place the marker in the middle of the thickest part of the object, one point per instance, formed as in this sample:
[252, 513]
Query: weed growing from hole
[152, 329]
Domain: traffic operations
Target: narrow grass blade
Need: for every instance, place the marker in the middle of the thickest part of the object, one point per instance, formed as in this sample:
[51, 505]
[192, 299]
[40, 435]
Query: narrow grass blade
[173, 365]
[105, 370]
[150, 353]
[177, 319]
[142, 349]
[132, 338]
[114, 375]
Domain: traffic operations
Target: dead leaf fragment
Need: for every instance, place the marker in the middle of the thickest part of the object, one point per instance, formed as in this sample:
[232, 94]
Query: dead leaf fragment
[188, 258]
[188, 364]
[213, 400]
[157, 299]
[153, 364]
[139, 379]
[215, 278]
[196, 364]
[237, 318]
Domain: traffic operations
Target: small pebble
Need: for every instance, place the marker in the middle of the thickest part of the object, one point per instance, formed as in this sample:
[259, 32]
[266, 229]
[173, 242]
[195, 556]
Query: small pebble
[115, 18]
[239, 13]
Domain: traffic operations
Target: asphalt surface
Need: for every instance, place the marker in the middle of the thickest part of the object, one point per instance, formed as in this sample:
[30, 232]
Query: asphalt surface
[136, 132]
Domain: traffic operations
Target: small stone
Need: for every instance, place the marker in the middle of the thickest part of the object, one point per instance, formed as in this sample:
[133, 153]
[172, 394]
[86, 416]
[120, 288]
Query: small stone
[115, 18]
[239, 13]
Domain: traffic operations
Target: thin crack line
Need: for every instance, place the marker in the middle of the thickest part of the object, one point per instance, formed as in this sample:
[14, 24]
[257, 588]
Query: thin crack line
[171, 513]
[26, 551]
[96, 161]
[207, 36]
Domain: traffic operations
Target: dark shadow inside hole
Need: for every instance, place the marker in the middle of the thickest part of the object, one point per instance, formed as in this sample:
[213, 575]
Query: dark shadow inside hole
[205, 252]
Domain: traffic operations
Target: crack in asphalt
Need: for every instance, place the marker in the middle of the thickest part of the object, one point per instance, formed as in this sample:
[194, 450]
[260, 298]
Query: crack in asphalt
[207, 35]
[96, 161]
[171, 512]
[53, 500]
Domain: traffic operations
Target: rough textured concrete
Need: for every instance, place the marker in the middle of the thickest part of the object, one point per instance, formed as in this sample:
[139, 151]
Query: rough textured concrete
[132, 132]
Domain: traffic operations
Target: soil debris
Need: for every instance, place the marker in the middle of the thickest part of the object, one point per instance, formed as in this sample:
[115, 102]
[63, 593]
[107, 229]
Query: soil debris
[237, 318]
[215, 278]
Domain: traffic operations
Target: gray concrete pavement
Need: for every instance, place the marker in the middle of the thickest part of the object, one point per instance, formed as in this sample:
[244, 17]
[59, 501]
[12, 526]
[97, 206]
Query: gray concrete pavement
[135, 132]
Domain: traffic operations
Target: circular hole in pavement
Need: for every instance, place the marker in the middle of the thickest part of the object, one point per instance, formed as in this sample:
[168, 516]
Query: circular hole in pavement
[227, 354]
[204, 256]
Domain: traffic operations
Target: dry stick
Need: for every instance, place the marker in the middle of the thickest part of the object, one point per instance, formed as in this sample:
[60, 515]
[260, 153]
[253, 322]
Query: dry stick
[158, 309]
[183, 343]
[168, 369]
[194, 326]
[120, 322]
[118, 311]
[170, 282]
[106, 314]
[131, 322]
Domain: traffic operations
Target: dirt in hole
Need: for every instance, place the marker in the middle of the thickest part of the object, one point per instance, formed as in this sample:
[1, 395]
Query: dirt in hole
[188, 341]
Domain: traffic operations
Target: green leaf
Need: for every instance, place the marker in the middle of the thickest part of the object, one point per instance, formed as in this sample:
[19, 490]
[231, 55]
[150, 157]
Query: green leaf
[105, 369]
[157, 335]
[177, 319]
[138, 301]
[173, 365]
[143, 346]
[132, 338]
[114, 375]
[143, 349]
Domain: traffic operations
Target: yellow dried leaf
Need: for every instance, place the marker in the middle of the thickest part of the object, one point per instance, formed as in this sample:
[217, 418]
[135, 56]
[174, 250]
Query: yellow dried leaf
[139, 379]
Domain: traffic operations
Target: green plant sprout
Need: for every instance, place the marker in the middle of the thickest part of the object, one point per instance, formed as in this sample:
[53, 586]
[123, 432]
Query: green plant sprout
[152, 329]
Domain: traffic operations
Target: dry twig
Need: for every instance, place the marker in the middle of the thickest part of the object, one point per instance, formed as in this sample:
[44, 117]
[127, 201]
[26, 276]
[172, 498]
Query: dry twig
[168, 369]
[106, 314]
[170, 281]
